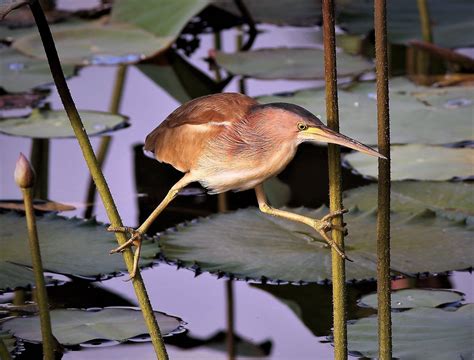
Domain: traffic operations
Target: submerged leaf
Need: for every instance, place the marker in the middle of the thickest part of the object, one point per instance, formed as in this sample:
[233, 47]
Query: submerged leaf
[248, 244]
[68, 246]
[420, 333]
[418, 114]
[74, 326]
[412, 298]
[453, 200]
[419, 162]
[19, 73]
[48, 124]
[288, 63]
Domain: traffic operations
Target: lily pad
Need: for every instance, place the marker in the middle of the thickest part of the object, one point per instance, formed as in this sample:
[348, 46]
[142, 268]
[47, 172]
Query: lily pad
[20, 73]
[95, 44]
[68, 246]
[453, 200]
[418, 114]
[8, 5]
[75, 326]
[452, 25]
[288, 63]
[419, 162]
[420, 333]
[412, 298]
[48, 124]
[240, 244]
[13, 345]
[38, 205]
[162, 18]
[278, 12]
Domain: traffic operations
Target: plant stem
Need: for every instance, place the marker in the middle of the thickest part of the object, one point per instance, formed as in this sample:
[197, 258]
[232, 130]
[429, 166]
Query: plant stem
[230, 340]
[105, 141]
[335, 182]
[383, 213]
[4, 353]
[97, 175]
[41, 295]
[426, 32]
[40, 162]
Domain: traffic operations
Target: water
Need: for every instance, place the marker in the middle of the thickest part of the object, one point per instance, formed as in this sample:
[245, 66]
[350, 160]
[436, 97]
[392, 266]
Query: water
[200, 301]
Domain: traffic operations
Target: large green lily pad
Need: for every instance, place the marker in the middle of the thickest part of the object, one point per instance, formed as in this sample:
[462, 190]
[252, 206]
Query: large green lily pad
[279, 12]
[75, 326]
[248, 244]
[49, 124]
[412, 298]
[418, 114]
[95, 44]
[452, 25]
[419, 162]
[68, 246]
[20, 73]
[162, 18]
[454, 200]
[288, 63]
[420, 333]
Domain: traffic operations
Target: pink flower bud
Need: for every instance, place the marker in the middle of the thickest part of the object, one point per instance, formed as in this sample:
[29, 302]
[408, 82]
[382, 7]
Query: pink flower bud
[24, 173]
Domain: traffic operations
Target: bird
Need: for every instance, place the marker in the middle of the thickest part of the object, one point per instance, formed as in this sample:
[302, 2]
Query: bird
[229, 141]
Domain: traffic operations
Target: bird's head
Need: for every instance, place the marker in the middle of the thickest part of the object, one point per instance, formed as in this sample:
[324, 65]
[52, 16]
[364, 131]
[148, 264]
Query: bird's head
[293, 123]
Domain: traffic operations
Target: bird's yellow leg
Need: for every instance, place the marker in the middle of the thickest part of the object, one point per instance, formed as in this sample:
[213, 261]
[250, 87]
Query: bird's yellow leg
[322, 226]
[136, 234]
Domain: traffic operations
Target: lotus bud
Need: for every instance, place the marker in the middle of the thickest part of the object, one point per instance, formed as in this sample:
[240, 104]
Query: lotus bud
[24, 173]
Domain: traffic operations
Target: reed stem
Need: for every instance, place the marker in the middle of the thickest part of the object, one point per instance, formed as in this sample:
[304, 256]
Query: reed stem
[96, 174]
[105, 141]
[4, 353]
[383, 213]
[335, 182]
[40, 161]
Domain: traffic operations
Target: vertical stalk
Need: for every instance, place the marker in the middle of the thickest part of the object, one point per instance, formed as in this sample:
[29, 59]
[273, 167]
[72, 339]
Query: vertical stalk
[40, 161]
[105, 141]
[4, 353]
[383, 213]
[423, 57]
[217, 46]
[335, 182]
[97, 174]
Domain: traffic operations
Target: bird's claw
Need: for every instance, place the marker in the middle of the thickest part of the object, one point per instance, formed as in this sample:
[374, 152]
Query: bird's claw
[325, 225]
[135, 240]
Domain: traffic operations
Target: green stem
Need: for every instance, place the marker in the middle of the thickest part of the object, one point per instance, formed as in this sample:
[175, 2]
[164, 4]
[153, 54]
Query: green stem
[105, 141]
[230, 340]
[97, 175]
[4, 353]
[423, 58]
[383, 213]
[335, 182]
[41, 295]
[40, 162]
[217, 46]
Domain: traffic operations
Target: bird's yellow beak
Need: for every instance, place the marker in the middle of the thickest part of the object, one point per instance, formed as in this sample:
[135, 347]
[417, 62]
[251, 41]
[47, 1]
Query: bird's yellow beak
[326, 135]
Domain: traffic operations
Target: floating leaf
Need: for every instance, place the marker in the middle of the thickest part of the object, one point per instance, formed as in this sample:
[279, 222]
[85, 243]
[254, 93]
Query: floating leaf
[163, 18]
[47, 124]
[418, 114]
[68, 246]
[20, 73]
[412, 298]
[248, 244]
[279, 12]
[288, 63]
[12, 344]
[453, 200]
[312, 303]
[74, 326]
[38, 205]
[452, 25]
[95, 44]
[419, 162]
[420, 333]
[8, 5]
[21, 101]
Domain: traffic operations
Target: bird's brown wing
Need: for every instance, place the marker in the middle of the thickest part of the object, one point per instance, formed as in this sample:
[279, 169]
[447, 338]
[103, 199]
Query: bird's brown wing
[180, 139]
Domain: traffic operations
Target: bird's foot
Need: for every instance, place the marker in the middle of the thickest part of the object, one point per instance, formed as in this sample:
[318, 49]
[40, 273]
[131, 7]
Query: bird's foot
[135, 240]
[324, 225]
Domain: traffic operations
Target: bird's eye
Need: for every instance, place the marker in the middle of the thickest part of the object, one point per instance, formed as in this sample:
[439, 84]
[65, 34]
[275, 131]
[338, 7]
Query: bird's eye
[302, 126]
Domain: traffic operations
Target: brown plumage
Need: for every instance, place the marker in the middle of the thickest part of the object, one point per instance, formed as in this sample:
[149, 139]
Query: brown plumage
[231, 142]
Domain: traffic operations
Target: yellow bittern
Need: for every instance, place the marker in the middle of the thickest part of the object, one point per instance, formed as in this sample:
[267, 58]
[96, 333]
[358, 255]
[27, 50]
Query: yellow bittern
[231, 142]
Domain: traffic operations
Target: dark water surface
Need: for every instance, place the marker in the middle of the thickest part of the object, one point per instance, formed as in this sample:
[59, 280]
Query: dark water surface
[200, 301]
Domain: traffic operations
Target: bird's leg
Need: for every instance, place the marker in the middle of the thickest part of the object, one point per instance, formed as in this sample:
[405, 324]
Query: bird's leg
[321, 226]
[136, 235]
